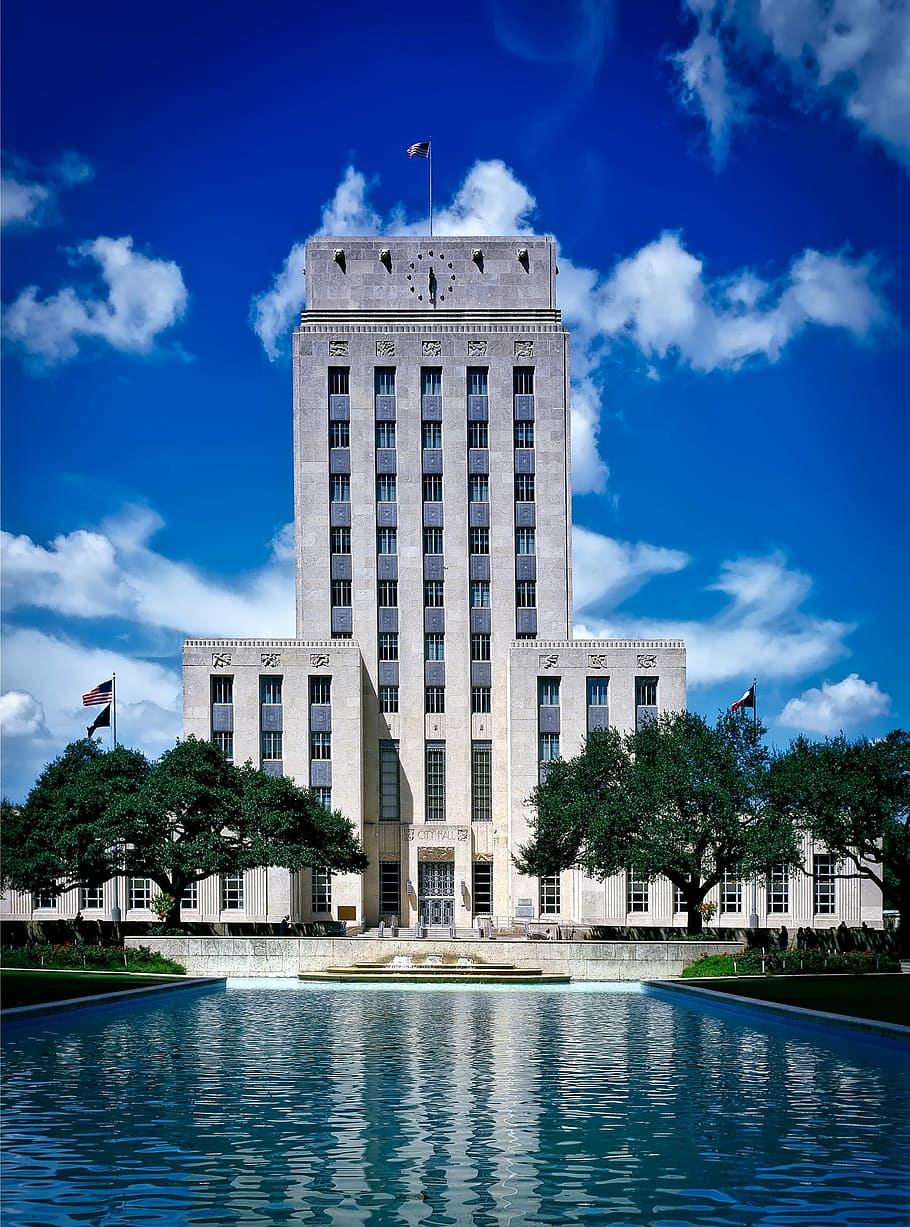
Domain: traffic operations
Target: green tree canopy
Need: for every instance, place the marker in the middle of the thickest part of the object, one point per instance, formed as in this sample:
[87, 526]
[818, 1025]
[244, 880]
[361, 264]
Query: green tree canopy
[854, 797]
[678, 798]
[178, 820]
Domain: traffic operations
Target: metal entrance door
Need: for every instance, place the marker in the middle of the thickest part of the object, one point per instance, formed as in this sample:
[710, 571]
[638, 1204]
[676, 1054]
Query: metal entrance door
[436, 890]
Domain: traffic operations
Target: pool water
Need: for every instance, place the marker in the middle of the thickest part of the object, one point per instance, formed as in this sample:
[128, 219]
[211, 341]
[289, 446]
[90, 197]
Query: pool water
[306, 1103]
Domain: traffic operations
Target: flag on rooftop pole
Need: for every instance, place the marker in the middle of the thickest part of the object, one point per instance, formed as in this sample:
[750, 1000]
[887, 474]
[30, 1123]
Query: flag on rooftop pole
[748, 700]
[424, 149]
[102, 693]
[101, 721]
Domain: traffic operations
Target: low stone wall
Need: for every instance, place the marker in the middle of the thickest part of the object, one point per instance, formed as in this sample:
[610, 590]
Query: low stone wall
[286, 956]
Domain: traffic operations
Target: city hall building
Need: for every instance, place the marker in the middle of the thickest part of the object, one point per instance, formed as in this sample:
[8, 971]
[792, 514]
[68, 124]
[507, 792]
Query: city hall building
[434, 673]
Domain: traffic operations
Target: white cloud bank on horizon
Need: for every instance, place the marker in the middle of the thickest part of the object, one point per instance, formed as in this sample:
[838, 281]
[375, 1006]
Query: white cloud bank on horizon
[140, 297]
[661, 301]
[854, 54]
[29, 196]
[835, 706]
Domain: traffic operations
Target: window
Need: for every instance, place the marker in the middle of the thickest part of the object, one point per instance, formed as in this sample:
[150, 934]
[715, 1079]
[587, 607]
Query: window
[525, 541]
[384, 380]
[434, 593]
[524, 434]
[388, 698]
[523, 381]
[320, 690]
[550, 895]
[431, 381]
[478, 434]
[387, 593]
[389, 888]
[340, 488]
[434, 645]
[388, 645]
[477, 381]
[482, 884]
[341, 592]
[190, 897]
[44, 899]
[340, 540]
[436, 782]
[222, 690]
[385, 434]
[225, 743]
[524, 487]
[339, 434]
[548, 691]
[231, 892]
[481, 699]
[548, 750]
[432, 488]
[272, 745]
[598, 692]
[478, 541]
[432, 435]
[339, 380]
[480, 646]
[482, 782]
[636, 892]
[435, 699]
[91, 897]
[387, 541]
[139, 892]
[270, 689]
[323, 795]
[679, 903]
[478, 488]
[432, 540]
[646, 692]
[731, 893]
[526, 594]
[824, 871]
[389, 782]
[778, 889]
[386, 488]
[321, 898]
[480, 594]
[320, 746]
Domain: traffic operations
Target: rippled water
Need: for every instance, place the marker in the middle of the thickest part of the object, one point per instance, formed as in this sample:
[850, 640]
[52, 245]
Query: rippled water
[361, 1105]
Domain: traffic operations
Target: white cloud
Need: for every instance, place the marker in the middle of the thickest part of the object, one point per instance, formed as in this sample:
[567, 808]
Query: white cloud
[852, 53]
[762, 629]
[112, 572]
[606, 571]
[141, 297]
[29, 197]
[21, 715]
[836, 706]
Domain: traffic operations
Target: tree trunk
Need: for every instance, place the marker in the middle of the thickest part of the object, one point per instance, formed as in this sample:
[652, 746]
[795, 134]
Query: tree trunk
[694, 920]
[903, 934]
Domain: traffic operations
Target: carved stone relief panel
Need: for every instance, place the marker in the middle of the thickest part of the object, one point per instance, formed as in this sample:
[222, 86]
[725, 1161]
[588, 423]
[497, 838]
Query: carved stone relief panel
[646, 660]
[385, 349]
[549, 661]
[319, 660]
[524, 349]
[271, 660]
[221, 660]
[432, 349]
[337, 348]
[476, 348]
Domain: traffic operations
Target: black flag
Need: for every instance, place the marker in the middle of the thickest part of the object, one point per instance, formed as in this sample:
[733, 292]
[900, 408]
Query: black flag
[101, 721]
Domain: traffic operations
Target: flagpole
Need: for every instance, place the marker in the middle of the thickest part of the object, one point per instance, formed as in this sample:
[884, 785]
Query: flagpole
[114, 709]
[753, 919]
[430, 166]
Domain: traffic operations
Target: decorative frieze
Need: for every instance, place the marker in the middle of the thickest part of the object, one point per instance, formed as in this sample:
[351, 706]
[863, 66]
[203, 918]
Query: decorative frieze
[477, 348]
[524, 349]
[221, 660]
[549, 661]
[437, 833]
[596, 660]
[270, 660]
[319, 660]
[385, 349]
[337, 348]
[646, 660]
[432, 349]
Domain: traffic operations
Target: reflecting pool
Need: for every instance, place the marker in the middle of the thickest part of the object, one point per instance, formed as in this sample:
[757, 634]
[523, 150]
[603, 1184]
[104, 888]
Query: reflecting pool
[306, 1103]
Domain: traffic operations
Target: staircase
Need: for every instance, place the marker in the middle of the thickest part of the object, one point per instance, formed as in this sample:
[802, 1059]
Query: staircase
[434, 933]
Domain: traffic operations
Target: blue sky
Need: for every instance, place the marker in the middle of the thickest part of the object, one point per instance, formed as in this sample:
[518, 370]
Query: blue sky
[727, 181]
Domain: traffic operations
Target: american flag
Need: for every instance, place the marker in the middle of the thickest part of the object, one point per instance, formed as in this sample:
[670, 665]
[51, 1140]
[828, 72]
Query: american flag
[420, 150]
[102, 693]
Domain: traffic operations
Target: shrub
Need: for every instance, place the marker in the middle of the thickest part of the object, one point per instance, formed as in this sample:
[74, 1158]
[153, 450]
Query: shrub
[791, 963]
[69, 957]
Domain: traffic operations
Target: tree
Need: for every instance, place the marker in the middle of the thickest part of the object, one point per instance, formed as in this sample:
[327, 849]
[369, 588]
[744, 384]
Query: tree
[854, 798]
[678, 798]
[178, 820]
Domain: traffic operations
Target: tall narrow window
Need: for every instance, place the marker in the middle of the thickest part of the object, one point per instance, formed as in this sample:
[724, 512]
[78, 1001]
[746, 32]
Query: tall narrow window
[322, 891]
[480, 646]
[385, 434]
[270, 689]
[339, 434]
[482, 782]
[435, 782]
[339, 381]
[388, 698]
[272, 742]
[434, 591]
[389, 782]
[387, 541]
[481, 699]
[598, 692]
[139, 892]
[478, 541]
[778, 889]
[432, 540]
[548, 691]
[524, 434]
[389, 888]
[387, 593]
[548, 752]
[478, 488]
[731, 893]
[550, 895]
[646, 692]
[477, 381]
[386, 488]
[482, 888]
[91, 897]
[432, 488]
[320, 746]
[524, 487]
[323, 795]
[525, 594]
[341, 592]
[388, 645]
[525, 541]
[222, 690]
[435, 700]
[478, 435]
[523, 381]
[224, 740]
[384, 380]
[231, 892]
[434, 646]
[320, 691]
[340, 487]
[431, 381]
[480, 594]
[190, 897]
[636, 892]
[340, 540]
[431, 435]
[824, 874]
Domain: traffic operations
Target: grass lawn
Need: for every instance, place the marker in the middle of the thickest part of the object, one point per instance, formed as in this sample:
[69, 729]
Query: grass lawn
[37, 987]
[884, 998]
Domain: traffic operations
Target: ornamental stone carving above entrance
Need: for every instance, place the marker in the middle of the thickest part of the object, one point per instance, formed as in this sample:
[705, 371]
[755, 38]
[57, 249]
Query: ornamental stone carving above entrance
[436, 833]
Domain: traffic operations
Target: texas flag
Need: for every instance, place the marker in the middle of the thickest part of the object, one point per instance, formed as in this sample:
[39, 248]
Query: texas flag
[748, 700]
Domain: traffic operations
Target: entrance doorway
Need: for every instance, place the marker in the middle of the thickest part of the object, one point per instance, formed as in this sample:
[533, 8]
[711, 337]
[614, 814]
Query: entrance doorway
[436, 892]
